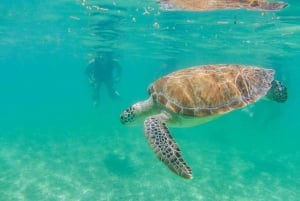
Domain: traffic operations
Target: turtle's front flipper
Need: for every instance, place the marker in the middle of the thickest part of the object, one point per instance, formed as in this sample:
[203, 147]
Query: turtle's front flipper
[165, 147]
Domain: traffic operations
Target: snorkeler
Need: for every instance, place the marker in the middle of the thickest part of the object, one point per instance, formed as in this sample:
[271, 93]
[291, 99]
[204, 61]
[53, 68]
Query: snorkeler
[103, 69]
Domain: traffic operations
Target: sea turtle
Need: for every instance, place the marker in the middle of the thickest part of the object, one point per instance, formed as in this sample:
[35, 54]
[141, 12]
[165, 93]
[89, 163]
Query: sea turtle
[195, 95]
[221, 4]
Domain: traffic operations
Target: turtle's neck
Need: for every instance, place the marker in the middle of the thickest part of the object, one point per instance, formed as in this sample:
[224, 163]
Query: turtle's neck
[143, 106]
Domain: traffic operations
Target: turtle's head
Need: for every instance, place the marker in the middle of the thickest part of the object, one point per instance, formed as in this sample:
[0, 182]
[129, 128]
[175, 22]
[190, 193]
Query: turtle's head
[137, 113]
[128, 115]
[277, 92]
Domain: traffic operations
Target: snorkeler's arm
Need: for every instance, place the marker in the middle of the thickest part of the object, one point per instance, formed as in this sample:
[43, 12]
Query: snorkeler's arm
[89, 69]
[118, 70]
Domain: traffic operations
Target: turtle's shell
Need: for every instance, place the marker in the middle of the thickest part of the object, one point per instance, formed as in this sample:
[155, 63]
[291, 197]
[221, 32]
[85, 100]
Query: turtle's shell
[211, 89]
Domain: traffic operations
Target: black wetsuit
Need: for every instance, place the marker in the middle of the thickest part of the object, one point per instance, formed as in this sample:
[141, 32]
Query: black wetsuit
[103, 71]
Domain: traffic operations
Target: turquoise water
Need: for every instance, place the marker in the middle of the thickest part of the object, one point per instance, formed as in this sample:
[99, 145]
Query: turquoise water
[54, 145]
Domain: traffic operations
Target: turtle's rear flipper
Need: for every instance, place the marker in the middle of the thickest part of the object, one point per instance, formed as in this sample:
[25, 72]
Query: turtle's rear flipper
[165, 147]
[268, 5]
[277, 92]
